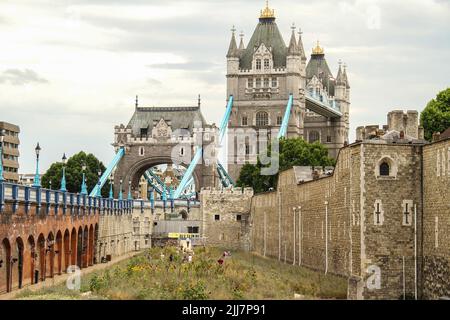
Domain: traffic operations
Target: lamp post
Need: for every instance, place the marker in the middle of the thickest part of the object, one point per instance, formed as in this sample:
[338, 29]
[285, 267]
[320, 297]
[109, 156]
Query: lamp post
[99, 184]
[37, 179]
[83, 183]
[111, 194]
[129, 191]
[63, 179]
[2, 136]
[120, 189]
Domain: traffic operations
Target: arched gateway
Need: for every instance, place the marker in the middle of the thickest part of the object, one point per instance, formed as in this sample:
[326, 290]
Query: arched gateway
[164, 136]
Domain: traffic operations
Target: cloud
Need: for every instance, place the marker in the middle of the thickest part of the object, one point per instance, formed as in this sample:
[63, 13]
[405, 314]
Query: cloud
[19, 77]
[100, 54]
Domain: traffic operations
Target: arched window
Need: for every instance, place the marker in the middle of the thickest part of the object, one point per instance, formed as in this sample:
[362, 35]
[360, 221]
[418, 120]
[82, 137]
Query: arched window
[262, 119]
[384, 169]
[314, 136]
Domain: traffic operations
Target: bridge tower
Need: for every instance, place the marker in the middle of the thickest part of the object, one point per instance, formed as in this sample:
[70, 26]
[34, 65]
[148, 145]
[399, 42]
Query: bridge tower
[158, 136]
[261, 77]
[320, 83]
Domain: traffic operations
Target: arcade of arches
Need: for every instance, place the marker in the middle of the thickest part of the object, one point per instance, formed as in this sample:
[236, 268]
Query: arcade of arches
[32, 258]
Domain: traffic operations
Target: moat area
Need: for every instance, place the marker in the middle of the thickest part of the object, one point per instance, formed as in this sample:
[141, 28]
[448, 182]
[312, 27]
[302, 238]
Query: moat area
[167, 274]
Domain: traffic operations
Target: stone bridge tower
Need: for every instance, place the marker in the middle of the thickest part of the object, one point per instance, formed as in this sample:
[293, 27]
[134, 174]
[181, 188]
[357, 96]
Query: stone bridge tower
[165, 135]
[262, 75]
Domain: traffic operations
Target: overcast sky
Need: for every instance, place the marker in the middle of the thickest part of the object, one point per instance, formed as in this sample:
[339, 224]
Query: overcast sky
[70, 69]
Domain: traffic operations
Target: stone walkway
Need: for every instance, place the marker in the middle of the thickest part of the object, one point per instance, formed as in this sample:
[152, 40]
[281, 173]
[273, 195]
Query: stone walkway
[58, 279]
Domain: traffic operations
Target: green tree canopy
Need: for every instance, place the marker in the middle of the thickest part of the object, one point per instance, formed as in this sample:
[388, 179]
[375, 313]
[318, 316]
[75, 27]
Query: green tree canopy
[436, 115]
[292, 152]
[74, 173]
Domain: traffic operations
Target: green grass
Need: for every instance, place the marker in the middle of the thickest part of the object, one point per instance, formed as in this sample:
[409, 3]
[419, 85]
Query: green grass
[242, 276]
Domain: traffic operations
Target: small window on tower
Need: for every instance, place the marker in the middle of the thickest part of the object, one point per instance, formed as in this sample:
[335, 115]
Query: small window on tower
[238, 217]
[258, 64]
[384, 169]
[216, 217]
[258, 83]
[266, 82]
[266, 64]
[244, 121]
[144, 132]
[250, 83]
[247, 149]
[279, 120]
[329, 139]
[274, 82]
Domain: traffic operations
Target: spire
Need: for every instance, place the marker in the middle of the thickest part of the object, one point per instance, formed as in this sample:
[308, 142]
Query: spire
[241, 44]
[300, 44]
[317, 50]
[345, 76]
[267, 13]
[137, 102]
[340, 81]
[293, 48]
[199, 101]
[232, 50]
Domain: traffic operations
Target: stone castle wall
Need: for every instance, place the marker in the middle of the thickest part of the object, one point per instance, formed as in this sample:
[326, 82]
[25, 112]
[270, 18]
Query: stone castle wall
[348, 224]
[225, 217]
[436, 220]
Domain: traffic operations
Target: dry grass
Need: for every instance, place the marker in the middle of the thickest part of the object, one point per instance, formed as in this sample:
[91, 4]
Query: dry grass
[242, 276]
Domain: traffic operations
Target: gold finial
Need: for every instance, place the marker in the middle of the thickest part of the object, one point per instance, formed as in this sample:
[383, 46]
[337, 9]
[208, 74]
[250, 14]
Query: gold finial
[267, 13]
[317, 49]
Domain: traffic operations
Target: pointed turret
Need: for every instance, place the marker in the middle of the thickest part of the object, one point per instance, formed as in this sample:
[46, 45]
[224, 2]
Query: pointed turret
[340, 81]
[241, 44]
[293, 48]
[233, 50]
[345, 77]
[301, 48]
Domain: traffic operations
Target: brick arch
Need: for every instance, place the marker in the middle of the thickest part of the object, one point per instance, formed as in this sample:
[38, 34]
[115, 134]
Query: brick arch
[80, 247]
[50, 255]
[41, 256]
[73, 246]
[59, 252]
[91, 246]
[19, 263]
[96, 254]
[85, 246]
[5, 271]
[32, 255]
[66, 249]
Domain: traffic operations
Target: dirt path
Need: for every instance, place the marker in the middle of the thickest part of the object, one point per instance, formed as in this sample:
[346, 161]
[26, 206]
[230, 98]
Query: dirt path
[58, 279]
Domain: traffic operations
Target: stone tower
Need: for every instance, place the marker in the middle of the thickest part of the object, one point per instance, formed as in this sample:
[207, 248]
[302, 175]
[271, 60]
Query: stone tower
[261, 77]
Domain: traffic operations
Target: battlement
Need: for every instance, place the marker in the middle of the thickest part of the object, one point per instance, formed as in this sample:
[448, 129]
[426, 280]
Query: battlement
[227, 191]
[401, 126]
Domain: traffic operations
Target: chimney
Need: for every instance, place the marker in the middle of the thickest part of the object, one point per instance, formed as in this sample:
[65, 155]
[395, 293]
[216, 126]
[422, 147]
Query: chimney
[436, 136]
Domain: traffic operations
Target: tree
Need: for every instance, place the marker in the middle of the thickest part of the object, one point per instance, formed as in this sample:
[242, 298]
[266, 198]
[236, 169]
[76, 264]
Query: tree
[436, 115]
[292, 152]
[74, 173]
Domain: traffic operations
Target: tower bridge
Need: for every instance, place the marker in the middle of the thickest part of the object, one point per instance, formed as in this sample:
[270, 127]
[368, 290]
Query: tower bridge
[269, 86]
